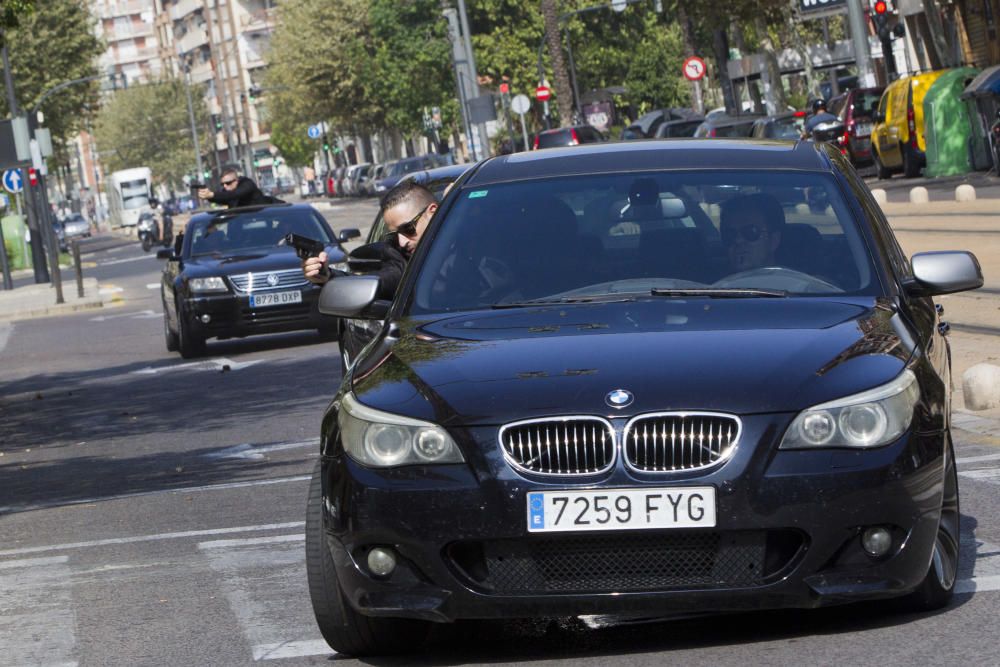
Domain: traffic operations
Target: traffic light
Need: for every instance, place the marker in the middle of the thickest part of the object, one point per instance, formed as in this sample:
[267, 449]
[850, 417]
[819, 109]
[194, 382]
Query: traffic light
[326, 145]
[880, 15]
[253, 93]
[217, 122]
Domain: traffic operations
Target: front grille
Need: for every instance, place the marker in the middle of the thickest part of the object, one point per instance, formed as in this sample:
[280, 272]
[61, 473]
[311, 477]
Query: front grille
[257, 281]
[620, 563]
[276, 314]
[566, 446]
[679, 441]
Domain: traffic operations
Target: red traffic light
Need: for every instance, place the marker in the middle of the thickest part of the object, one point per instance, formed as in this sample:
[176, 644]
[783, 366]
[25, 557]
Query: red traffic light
[881, 7]
[32, 177]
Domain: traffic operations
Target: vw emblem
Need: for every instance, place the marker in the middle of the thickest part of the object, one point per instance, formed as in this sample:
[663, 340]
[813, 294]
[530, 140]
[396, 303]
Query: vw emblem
[619, 398]
[272, 279]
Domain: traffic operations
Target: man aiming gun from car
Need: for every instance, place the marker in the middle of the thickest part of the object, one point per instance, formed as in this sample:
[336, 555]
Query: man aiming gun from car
[236, 191]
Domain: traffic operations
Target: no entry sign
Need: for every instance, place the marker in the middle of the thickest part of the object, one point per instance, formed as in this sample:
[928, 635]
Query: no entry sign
[543, 93]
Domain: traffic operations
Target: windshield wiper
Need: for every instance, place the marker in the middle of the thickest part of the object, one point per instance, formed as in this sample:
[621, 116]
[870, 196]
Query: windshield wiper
[719, 292]
[568, 300]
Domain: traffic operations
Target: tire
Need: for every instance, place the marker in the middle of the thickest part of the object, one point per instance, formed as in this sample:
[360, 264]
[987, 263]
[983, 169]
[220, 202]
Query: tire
[147, 242]
[911, 164]
[881, 172]
[172, 339]
[189, 345]
[937, 588]
[344, 629]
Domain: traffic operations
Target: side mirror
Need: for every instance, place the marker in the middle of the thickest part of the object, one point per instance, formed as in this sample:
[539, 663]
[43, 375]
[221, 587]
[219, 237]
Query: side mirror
[944, 272]
[367, 258]
[353, 297]
[346, 235]
[164, 253]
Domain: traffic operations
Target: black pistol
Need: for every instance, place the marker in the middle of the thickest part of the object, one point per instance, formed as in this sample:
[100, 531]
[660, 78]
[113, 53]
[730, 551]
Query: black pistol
[197, 186]
[305, 247]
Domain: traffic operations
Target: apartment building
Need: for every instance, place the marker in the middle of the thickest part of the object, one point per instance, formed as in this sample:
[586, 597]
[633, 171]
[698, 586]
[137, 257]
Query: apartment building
[221, 46]
[127, 28]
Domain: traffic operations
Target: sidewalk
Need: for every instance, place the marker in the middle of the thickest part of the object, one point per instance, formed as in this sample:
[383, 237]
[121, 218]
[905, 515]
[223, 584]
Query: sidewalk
[39, 300]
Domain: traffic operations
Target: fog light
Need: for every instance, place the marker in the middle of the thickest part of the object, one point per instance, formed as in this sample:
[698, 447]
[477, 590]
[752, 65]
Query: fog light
[206, 318]
[381, 561]
[876, 541]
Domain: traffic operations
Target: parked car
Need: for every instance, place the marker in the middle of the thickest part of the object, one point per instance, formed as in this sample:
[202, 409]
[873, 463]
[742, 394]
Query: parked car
[779, 126]
[352, 178]
[232, 279]
[721, 125]
[568, 136]
[367, 185]
[354, 334]
[856, 109]
[898, 138]
[60, 232]
[673, 129]
[394, 171]
[544, 425]
[75, 226]
[647, 125]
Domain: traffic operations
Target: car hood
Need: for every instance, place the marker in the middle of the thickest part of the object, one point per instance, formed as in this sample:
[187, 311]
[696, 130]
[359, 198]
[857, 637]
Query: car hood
[743, 356]
[277, 259]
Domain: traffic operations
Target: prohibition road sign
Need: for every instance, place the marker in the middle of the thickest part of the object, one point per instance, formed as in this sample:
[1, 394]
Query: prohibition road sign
[543, 93]
[693, 68]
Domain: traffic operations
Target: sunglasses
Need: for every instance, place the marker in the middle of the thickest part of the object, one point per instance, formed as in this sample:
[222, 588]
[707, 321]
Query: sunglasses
[228, 182]
[748, 233]
[409, 228]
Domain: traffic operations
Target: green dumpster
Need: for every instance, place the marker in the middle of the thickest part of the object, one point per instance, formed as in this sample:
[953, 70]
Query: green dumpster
[946, 122]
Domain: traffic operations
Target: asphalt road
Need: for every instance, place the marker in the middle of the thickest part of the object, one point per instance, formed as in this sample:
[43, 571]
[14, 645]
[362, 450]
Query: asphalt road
[152, 512]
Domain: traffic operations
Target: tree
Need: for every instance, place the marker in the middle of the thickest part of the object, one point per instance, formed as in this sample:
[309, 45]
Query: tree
[50, 45]
[144, 126]
[11, 12]
[553, 38]
[292, 140]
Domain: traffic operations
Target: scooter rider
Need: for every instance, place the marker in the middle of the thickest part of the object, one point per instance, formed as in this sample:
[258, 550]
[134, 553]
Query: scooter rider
[819, 116]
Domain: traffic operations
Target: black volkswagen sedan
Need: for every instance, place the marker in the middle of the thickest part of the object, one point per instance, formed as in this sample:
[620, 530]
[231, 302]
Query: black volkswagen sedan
[645, 378]
[228, 277]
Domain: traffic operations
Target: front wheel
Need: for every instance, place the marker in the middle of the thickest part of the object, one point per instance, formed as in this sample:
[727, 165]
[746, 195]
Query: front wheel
[188, 344]
[881, 171]
[172, 340]
[938, 587]
[343, 628]
[147, 242]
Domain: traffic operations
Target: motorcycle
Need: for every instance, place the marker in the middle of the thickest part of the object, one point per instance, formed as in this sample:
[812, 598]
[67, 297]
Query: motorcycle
[149, 230]
[995, 136]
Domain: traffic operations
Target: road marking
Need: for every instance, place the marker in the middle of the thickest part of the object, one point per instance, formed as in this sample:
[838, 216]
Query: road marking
[110, 289]
[33, 562]
[138, 315]
[250, 541]
[38, 618]
[5, 332]
[6, 509]
[286, 650]
[152, 285]
[217, 364]
[983, 474]
[152, 538]
[978, 584]
[257, 452]
[124, 260]
[976, 459]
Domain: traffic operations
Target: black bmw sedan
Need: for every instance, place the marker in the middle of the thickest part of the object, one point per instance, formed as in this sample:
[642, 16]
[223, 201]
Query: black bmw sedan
[641, 378]
[228, 277]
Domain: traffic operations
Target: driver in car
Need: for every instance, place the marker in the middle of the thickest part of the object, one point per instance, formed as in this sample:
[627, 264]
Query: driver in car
[751, 230]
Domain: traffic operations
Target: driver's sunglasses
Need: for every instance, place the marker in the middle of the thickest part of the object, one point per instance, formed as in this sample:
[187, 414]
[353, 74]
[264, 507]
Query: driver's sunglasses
[409, 228]
[748, 233]
[230, 182]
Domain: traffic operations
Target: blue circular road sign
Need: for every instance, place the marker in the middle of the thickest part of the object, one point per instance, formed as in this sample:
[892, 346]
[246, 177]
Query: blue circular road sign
[315, 131]
[13, 182]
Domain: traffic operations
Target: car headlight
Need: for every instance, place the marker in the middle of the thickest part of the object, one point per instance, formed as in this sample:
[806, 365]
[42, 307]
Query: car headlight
[383, 440]
[211, 284]
[870, 419]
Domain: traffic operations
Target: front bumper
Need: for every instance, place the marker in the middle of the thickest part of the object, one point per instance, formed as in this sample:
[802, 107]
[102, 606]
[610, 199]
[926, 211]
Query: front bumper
[787, 535]
[231, 316]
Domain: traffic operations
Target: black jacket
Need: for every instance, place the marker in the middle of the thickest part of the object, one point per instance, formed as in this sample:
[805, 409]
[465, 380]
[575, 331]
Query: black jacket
[391, 263]
[246, 193]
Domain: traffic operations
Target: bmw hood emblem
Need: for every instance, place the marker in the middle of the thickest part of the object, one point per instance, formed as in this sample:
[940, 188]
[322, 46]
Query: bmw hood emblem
[272, 280]
[619, 398]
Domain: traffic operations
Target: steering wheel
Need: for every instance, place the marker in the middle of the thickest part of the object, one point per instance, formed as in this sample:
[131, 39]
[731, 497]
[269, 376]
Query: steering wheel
[777, 277]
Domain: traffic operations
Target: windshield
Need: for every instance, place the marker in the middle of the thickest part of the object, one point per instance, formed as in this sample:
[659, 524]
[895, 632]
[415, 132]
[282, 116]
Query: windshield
[785, 128]
[558, 138]
[224, 234]
[584, 237]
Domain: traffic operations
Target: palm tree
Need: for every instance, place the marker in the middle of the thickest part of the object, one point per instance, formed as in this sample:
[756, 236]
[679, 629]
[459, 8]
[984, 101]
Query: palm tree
[553, 36]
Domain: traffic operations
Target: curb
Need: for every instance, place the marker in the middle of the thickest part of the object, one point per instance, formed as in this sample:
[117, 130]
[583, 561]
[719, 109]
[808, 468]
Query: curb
[51, 311]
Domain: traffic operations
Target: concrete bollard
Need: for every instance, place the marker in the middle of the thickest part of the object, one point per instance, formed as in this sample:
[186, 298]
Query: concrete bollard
[965, 192]
[918, 195]
[880, 197]
[981, 387]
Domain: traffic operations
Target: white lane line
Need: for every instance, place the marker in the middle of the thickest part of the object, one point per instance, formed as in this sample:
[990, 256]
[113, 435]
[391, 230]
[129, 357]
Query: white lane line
[184, 489]
[32, 562]
[38, 619]
[152, 285]
[286, 650]
[152, 538]
[257, 452]
[217, 364]
[250, 541]
[977, 459]
[5, 331]
[124, 260]
[984, 474]
[978, 584]
[139, 315]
